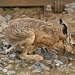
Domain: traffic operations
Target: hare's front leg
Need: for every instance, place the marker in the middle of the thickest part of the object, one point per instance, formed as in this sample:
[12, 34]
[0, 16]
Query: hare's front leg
[28, 42]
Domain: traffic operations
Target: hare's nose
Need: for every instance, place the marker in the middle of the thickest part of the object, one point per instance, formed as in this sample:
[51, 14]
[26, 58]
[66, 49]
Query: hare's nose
[73, 44]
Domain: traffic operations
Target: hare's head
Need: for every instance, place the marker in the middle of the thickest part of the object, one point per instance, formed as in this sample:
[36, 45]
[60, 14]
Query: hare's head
[70, 37]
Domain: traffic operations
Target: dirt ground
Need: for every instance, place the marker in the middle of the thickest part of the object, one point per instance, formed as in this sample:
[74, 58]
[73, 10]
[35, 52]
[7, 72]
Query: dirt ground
[37, 13]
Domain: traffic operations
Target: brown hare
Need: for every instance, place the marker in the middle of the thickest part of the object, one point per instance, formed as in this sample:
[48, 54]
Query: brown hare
[26, 31]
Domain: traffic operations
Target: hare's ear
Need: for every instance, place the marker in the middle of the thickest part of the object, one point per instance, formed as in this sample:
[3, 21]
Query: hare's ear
[64, 29]
[61, 22]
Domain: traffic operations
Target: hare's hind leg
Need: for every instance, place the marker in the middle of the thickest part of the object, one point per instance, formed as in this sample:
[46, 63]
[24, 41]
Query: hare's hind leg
[34, 48]
[28, 42]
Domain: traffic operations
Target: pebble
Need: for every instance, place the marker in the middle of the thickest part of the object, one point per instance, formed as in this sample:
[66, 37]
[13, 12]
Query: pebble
[5, 43]
[8, 17]
[1, 29]
[0, 49]
[3, 63]
[13, 59]
[58, 61]
[46, 55]
[3, 56]
[66, 52]
[71, 5]
[44, 67]
[69, 64]
[10, 61]
[62, 66]
[57, 64]
[37, 69]
[69, 10]
[4, 48]
[5, 59]
[4, 70]
[63, 59]
[48, 61]
[13, 55]
[9, 66]
[4, 23]
[2, 35]
[33, 66]
[38, 51]
[17, 61]
[11, 72]
[2, 18]
[0, 68]
[1, 9]
[54, 56]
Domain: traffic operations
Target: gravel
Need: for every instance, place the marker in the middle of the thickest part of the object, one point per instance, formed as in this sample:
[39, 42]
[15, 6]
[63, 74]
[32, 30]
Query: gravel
[9, 66]
[58, 61]
[4, 70]
[17, 61]
[44, 67]
[11, 72]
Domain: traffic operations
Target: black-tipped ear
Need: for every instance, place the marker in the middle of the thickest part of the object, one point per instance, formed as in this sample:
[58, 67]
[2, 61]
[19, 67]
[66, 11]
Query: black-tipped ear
[60, 21]
[64, 29]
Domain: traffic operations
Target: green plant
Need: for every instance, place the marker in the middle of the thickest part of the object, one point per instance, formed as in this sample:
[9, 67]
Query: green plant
[7, 9]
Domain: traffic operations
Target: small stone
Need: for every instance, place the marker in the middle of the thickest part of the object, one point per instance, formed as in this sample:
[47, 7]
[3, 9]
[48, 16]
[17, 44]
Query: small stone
[9, 66]
[10, 61]
[5, 59]
[63, 59]
[5, 43]
[44, 67]
[2, 56]
[13, 55]
[57, 64]
[46, 55]
[58, 61]
[48, 61]
[4, 48]
[8, 17]
[48, 8]
[69, 10]
[69, 64]
[2, 35]
[11, 72]
[1, 29]
[70, 59]
[37, 69]
[2, 18]
[17, 66]
[38, 51]
[1, 9]
[3, 63]
[17, 61]
[4, 70]
[62, 66]
[33, 66]
[66, 52]
[0, 68]
[54, 56]
[13, 59]
[1, 49]
[4, 23]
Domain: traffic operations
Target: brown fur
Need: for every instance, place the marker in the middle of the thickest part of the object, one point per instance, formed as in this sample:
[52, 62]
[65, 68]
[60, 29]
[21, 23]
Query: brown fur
[69, 46]
[25, 31]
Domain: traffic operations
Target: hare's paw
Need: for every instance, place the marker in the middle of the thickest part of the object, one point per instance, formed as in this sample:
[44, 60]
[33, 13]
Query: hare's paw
[37, 57]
